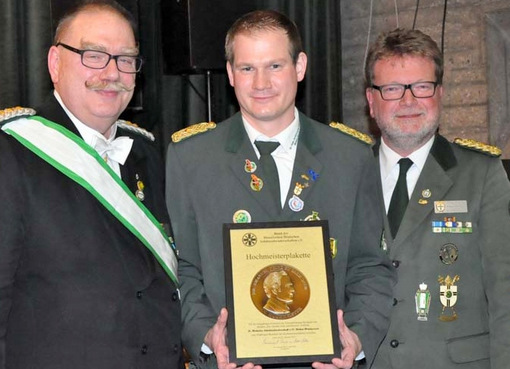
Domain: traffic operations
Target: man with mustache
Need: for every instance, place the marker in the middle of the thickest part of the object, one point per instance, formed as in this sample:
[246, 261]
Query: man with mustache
[447, 223]
[87, 271]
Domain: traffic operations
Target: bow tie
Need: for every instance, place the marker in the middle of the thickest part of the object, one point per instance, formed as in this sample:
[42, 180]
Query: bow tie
[117, 150]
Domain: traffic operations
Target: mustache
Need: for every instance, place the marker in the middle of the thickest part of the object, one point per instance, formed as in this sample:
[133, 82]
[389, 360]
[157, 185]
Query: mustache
[110, 86]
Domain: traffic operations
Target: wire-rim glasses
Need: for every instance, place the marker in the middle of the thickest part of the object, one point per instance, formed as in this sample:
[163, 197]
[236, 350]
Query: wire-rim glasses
[96, 59]
[396, 91]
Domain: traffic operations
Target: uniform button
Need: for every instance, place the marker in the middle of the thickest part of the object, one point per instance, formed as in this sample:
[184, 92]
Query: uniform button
[175, 297]
[144, 349]
[395, 301]
[139, 294]
[394, 343]
[395, 263]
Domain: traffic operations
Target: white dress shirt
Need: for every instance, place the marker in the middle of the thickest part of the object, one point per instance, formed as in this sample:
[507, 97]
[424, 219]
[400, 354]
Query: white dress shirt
[284, 155]
[91, 136]
[388, 161]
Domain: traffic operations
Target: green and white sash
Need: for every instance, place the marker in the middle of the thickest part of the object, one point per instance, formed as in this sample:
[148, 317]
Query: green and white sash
[73, 157]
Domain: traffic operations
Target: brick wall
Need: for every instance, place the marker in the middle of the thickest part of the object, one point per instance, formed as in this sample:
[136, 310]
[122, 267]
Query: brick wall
[466, 110]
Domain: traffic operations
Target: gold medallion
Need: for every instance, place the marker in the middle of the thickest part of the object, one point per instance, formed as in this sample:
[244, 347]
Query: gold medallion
[280, 291]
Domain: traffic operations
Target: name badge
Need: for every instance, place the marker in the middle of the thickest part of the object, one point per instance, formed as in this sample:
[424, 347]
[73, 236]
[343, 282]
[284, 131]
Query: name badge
[458, 206]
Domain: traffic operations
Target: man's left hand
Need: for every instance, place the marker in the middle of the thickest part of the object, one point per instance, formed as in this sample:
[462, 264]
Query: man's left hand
[351, 347]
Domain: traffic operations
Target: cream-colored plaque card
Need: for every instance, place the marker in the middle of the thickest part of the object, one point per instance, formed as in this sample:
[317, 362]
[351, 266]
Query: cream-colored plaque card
[280, 293]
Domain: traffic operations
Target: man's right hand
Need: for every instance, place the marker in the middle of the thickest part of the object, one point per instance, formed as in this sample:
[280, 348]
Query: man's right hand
[216, 340]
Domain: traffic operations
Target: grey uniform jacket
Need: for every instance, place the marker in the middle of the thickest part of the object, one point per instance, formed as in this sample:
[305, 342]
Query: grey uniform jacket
[480, 336]
[207, 184]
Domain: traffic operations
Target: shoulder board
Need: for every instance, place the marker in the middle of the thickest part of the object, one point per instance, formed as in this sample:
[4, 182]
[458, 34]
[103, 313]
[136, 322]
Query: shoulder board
[16, 112]
[132, 127]
[192, 131]
[352, 132]
[478, 146]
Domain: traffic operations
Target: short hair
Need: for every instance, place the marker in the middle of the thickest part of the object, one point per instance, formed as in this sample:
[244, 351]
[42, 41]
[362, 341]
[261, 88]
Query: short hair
[403, 42]
[85, 5]
[273, 280]
[264, 20]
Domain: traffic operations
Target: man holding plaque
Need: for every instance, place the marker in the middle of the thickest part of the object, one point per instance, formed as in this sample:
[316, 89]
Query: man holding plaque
[226, 173]
[449, 238]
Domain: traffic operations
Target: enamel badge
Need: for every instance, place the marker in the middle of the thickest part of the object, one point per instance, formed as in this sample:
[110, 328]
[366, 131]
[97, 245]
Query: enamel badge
[256, 183]
[422, 300]
[249, 166]
[448, 297]
[241, 216]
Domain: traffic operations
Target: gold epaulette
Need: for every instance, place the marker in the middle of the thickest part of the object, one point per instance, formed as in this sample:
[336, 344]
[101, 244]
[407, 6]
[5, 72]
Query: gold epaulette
[132, 127]
[16, 112]
[352, 132]
[192, 131]
[478, 146]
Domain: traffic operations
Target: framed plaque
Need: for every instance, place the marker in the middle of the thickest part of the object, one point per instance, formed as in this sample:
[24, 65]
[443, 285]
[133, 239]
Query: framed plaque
[280, 293]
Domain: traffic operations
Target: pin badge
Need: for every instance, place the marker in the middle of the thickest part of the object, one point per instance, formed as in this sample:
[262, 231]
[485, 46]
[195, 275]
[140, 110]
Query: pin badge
[333, 245]
[426, 193]
[384, 243]
[313, 216]
[298, 189]
[448, 297]
[250, 166]
[241, 216]
[422, 300]
[313, 174]
[296, 204]
[422, 202]
[256, 183]
[448, 253]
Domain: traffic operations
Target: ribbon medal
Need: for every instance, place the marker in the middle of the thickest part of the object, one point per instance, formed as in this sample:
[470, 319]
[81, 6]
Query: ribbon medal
[140, 195]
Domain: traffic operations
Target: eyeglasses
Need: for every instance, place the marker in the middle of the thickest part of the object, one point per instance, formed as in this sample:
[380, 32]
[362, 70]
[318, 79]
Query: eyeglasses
[95, 59]
[396, 91]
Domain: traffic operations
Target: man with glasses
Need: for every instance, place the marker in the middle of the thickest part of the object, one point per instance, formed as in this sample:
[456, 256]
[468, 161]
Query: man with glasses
[447, 228]
[87, 271]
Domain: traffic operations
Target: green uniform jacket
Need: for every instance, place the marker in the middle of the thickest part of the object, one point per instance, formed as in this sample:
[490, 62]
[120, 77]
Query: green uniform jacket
[480, 336]
[207, 184]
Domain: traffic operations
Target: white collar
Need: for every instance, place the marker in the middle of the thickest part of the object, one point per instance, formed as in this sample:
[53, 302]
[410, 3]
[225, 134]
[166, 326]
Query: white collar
[287, 138]
[89, 135]
[389, 158]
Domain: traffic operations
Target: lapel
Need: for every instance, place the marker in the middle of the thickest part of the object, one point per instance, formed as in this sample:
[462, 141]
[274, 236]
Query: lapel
[238, 144]
[434, 177]
[135, 169]
[52, 110]
[308, 145]
[377, 165]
